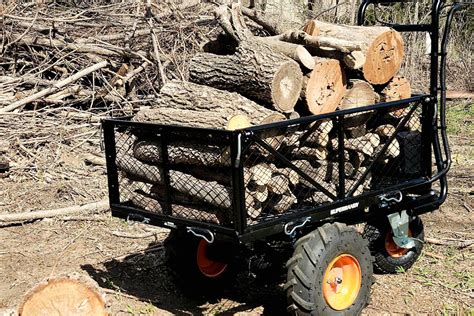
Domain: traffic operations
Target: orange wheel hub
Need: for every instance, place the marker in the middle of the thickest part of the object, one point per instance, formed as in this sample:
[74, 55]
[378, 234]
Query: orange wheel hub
[342, 281]
[392, 248]
[210, 268]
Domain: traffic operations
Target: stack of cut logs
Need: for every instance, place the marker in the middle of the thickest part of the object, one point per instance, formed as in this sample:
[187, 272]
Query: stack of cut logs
[241, 80]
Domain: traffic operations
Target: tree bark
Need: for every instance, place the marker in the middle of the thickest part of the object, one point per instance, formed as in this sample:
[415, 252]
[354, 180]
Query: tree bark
[255, 71]
[190, 104]
[294, 51]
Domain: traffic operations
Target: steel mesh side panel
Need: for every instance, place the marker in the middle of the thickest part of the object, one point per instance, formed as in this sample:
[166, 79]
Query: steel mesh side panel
[184, 178]
[288, 170]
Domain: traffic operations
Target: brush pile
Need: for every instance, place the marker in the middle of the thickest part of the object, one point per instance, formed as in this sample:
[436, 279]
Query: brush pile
[172, 64]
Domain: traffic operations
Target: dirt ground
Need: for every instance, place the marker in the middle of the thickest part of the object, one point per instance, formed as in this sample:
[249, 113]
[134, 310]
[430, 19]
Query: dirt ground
[131, 271]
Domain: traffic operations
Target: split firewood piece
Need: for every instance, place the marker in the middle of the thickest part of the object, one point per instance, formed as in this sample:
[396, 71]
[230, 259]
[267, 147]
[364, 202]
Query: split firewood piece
[356, 159]
[357, 144]
[282, 203]
[289, 173]
[324, 87]
[311, 153]
[64, 296]
[364, 186]
[278, 184]
[320, 198]
[381, 48]
[392, 151]
[372, 138]
[261, 173]
[317, 139]
[255, 70]
[254, 209]
[397, 89]
[359, 94]
[356, 131]
[294, 51]
[258, 192]
[385, 130]
[317, 170]
[190, 104]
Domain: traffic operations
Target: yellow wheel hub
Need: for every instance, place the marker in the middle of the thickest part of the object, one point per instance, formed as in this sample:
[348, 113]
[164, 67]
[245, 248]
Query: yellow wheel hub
[342, 281]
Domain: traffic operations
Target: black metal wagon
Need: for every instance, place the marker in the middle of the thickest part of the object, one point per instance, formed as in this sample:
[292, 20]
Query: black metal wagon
[330, 270]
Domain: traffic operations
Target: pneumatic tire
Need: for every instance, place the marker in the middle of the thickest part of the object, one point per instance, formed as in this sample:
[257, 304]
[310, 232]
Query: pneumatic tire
[183, 257]
[330, 272]
[388, 257]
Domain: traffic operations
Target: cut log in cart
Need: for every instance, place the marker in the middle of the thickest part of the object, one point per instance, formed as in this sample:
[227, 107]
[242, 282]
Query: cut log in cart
[282, 140]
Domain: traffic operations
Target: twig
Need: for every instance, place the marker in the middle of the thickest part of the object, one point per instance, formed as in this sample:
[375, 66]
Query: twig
[89, 208]
[61, 84]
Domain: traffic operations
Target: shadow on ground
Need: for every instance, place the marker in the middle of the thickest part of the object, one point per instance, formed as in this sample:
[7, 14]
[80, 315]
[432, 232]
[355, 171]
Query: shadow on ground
[145, 276]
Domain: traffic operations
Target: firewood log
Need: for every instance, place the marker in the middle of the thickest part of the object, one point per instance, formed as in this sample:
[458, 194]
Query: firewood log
[189, 104]
[289, 173]
[355, 131]
[396, 89]
[382, 48]
[385, 130]
[261, 173]
[64, 296]
[258, 192]
[310, 153]
[281, 203]
[278, 184]
[254, 70]
[392, 151]
[150, 203]
[324, 87]
[209, 192]
[149, 151]
[360, 94]
[185, 204]
[294, 51]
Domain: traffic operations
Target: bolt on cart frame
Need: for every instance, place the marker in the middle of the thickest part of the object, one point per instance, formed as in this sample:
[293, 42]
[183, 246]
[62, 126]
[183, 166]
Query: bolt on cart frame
[402, 184]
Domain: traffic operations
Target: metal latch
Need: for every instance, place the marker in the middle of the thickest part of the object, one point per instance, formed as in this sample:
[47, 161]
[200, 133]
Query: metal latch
[399, 223]
[289, 229]
[205, 234]
[389, 198]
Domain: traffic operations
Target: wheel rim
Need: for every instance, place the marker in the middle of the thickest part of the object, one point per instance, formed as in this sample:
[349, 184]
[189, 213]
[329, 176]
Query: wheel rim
[342, 282]
[210, 268]
[392, 248]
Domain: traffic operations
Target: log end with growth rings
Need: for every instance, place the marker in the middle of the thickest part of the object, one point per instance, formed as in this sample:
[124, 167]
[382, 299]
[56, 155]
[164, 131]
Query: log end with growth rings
[384, 57]
[63, 296]
[325, 86]
[286, 87]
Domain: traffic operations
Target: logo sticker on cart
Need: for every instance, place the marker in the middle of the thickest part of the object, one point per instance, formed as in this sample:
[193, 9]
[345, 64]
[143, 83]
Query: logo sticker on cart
[344, 208]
